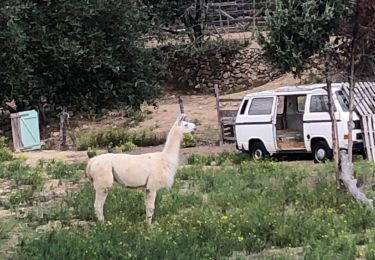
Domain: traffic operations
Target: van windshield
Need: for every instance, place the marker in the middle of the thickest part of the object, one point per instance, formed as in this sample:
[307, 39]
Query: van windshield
[342, 100]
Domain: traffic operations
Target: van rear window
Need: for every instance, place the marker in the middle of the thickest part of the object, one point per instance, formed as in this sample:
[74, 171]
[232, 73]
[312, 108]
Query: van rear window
[244, 105]
[261, 106]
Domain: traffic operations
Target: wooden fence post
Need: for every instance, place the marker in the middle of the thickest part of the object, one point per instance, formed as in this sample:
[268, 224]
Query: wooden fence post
[219, 115]
[181, 103]
[64, 117]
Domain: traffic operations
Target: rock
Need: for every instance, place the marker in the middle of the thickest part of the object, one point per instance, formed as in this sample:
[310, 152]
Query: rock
[226, 75]
[85, 127]
[55, 134]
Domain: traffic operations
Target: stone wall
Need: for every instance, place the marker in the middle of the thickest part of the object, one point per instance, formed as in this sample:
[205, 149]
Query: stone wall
[230, 70]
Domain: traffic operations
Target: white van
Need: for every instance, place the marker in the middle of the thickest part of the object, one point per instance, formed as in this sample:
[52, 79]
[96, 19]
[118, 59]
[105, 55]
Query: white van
[294, 120]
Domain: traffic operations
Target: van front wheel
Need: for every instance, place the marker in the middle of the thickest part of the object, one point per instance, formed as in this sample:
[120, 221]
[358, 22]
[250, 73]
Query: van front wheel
[321, 152]
[258, 151]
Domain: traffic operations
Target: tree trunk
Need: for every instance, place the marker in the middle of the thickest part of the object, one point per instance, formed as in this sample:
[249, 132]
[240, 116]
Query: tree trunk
[346, 176]
[351, 108]
[331, 107]
[352, 84]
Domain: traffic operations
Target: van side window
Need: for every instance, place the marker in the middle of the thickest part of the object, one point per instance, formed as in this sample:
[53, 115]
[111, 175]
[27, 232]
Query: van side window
[319, 103]
[261, 106]
[244, 106]
[280, 105]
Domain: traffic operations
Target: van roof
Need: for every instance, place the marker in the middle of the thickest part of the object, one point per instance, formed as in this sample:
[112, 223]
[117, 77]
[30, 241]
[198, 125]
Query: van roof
[299, 89]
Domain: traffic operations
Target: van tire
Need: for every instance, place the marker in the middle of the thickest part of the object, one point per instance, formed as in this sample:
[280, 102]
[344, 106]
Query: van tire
[258, 151]
[321, 152]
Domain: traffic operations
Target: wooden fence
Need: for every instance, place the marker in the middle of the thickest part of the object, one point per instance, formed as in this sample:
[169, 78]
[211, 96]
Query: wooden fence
[364, 104]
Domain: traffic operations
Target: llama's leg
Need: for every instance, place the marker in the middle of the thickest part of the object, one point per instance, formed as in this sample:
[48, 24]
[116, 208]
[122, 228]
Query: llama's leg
[100, 197]
[150, 196]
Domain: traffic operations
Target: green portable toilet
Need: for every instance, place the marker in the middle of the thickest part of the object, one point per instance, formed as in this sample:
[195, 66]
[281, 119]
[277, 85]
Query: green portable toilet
[25, 131]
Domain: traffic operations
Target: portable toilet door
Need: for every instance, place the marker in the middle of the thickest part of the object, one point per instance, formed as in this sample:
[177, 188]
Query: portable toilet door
[25, 131]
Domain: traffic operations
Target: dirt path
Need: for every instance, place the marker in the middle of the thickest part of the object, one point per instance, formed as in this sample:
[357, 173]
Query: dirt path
[32, 158]
[200, 109]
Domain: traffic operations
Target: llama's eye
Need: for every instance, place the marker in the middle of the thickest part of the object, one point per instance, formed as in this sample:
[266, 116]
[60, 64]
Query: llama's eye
[186, 124]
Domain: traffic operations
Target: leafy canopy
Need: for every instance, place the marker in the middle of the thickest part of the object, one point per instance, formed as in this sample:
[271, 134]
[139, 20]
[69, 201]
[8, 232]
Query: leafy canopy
[80, 54]
[300, 29]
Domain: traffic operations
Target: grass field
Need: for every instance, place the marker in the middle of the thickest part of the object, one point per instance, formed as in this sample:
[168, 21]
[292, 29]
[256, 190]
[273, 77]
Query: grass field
[221, 206]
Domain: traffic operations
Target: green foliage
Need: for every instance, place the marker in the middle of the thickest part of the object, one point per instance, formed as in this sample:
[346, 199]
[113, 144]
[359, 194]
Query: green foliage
[217, 159]
[5, 154]
[21, 197]
[212, 212]
[61, 170]
[188, 140]
[128, 146]
[91, 152]
[133, 117]
[42, 215]
[21, 174]
[82, 54]
[4, 142]
[118, 137]
[300, 29]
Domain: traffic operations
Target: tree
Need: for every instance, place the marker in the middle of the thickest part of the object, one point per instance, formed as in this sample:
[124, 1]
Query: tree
[190, 13]
[299, 38]
[85, 55]
[355, 51]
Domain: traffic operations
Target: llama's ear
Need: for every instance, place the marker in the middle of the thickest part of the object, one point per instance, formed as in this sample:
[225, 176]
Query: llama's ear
[181, 118]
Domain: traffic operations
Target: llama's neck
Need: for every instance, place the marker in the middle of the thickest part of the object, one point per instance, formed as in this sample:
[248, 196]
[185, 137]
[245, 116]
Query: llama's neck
[172, 145]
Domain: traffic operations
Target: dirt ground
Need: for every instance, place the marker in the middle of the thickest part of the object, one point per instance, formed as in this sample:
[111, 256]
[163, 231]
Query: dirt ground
[200, 109]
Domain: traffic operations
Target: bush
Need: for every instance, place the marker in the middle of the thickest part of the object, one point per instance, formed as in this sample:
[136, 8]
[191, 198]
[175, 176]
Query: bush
[117, 137]
[5, 154]
[80, 54]
[188, 141]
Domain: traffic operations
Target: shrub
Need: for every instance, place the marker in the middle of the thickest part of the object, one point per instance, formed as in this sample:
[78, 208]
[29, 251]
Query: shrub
[5, 154]
[188, 141]
[91, 152]
[117, 137]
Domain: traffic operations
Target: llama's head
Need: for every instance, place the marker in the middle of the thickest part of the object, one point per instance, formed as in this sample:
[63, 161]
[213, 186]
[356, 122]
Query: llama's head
[183, 125]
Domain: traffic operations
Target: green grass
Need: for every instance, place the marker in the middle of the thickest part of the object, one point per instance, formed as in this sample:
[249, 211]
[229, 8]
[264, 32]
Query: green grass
[210, 213]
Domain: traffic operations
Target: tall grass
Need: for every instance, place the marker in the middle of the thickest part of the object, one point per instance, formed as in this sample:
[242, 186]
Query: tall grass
[210, 213]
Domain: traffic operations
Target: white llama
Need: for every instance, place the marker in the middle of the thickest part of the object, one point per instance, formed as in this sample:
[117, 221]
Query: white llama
[151, 171]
